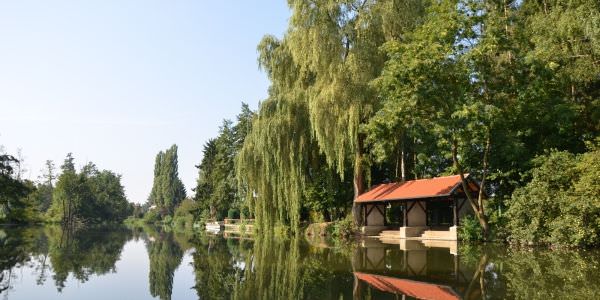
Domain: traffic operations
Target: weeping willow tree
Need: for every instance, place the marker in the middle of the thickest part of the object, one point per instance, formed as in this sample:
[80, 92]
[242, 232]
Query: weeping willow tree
[273, 162]
[319, 99]
[337, 43]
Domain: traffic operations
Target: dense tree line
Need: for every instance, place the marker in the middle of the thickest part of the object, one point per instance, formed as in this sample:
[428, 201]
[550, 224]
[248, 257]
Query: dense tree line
[217, 190]
[221, 189]
[14, 207]
[70, 198]
[412, 89]
[88, 196]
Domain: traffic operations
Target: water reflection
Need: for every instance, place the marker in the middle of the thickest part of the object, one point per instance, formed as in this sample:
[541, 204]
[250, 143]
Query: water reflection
[46, 262]
[165, 256]
[417, 269]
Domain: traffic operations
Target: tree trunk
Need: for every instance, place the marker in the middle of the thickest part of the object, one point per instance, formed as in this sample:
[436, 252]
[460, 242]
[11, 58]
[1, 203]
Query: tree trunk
[477, 206]
[358, 182]
[402, 162]
[415, 157]
[64, 207]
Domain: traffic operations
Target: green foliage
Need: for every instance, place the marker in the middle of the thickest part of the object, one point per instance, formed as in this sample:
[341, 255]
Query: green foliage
[90, 196]
[561, 203]
[152, 216]
[470, 230]
[344, 228]
[167, 190]
[326, 195]
[14, 207]
[185, 214]
[233, 213]
[424, 88]
[217, 188]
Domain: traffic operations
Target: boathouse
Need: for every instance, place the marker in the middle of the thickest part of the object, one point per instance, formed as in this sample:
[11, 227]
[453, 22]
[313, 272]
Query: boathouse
[424, 208]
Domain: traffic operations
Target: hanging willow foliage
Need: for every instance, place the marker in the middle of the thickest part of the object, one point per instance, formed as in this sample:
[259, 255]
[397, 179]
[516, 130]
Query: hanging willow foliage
[319, 98]
[273, 162]
[338, 42]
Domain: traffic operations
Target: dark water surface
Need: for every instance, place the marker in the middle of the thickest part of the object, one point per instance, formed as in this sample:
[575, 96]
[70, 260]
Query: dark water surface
[122, 263]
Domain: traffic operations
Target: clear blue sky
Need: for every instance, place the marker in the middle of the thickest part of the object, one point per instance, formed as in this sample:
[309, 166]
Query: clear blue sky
[115, 82]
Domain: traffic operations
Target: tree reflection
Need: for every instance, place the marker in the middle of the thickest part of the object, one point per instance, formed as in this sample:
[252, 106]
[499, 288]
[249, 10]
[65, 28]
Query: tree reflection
[165, 256]
[268, 268]
[83, 252]
[215, 268]
[552, 274]
[16, 245]
[59, 252]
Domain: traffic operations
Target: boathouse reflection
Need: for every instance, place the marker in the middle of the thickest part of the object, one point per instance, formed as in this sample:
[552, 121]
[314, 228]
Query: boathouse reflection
[414, 269]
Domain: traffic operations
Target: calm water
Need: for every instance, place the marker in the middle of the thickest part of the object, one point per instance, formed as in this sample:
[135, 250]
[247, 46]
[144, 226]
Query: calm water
[120, 263]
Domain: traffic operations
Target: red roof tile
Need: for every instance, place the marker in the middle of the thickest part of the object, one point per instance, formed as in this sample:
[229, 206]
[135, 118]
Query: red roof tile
[413, 189]
[415, 289]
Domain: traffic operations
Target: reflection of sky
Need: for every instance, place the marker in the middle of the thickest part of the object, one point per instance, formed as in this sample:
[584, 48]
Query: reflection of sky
[130, 282]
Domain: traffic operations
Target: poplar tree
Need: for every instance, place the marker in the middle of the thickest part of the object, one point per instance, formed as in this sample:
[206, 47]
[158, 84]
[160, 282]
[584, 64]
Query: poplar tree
[167, 190]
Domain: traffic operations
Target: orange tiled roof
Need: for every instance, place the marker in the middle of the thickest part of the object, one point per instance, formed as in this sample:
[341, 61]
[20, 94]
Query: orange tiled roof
[413, 189]
[415, 289]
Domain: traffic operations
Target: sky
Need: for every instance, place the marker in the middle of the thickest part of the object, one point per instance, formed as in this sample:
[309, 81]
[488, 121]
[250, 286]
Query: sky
[114, 82]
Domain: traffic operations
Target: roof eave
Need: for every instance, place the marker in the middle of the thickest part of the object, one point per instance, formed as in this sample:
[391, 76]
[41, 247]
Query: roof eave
[401, 199]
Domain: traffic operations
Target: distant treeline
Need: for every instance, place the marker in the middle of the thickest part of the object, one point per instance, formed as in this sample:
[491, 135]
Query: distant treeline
[69, 198]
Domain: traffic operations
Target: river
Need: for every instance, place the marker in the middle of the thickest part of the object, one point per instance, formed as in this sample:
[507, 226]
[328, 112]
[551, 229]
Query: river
[152, 263]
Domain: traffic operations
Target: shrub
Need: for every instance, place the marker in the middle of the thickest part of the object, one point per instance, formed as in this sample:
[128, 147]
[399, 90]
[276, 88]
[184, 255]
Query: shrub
[561, 204]
[245, 212]
[344, 228]
[470, 230]
[183, 222]
[152, 216]
[233, 213]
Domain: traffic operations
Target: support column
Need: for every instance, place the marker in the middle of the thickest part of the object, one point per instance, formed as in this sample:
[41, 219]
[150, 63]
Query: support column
[455, 210]
[405, 212]
[384, 214]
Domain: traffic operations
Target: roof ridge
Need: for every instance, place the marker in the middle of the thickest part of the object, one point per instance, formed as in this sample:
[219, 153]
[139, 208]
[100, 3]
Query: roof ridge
[466, 175]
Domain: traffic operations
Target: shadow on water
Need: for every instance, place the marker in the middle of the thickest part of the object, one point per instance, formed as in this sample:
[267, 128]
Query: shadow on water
[293, 268]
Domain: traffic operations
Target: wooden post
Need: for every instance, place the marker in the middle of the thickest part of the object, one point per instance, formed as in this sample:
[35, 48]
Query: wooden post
[405, 212]
[455, 210]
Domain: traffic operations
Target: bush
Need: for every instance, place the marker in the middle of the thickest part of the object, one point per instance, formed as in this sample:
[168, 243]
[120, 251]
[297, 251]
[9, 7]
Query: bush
[344, 228]
[470, 230]
[183, 222]
[561, 204]
[245, 212]
[152, 216]
[233, 213]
